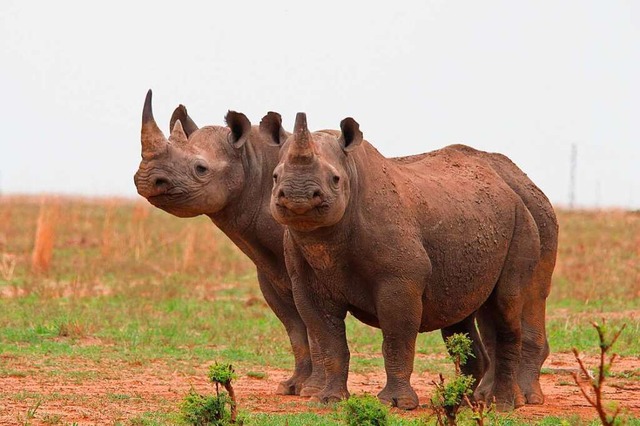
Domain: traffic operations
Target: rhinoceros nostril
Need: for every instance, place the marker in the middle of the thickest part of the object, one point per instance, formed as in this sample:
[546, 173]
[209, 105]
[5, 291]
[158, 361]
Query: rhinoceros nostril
[281, 194]
[159, 182]
[317, 194]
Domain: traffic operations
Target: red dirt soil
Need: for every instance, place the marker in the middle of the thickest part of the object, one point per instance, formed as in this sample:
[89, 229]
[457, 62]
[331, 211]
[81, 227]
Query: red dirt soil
[107, 391]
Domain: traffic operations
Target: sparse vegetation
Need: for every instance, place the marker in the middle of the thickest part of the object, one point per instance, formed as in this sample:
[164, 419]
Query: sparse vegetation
[127, 294]
[597, 378]
[211, 410]
[450, 397]
[364, 410]
[205, 410]
[30, 414]
[44, 238]
[257, 374]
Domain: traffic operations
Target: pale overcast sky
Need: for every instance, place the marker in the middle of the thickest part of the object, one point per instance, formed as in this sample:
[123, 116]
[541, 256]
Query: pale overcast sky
[525, 78]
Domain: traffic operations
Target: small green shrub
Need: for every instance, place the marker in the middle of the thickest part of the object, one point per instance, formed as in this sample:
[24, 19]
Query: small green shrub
[452, 394]
[609, 416]
[221, 373]
[449, 397]
[459, 348]
[201, 410]
[365, 410]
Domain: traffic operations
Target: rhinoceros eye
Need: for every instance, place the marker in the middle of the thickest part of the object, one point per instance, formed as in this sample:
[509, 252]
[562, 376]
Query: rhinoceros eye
[275, 178]
[201, 170]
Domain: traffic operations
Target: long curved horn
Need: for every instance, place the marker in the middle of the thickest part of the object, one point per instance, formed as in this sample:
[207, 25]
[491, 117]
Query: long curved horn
[153, 140]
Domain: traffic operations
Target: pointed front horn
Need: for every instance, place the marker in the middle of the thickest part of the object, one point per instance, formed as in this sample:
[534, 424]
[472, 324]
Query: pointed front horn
[301, 149]
[153, 140]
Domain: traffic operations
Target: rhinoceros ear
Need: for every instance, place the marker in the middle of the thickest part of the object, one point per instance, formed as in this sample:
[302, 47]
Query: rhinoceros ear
[180, 113]
[271, 128]
[240, 128]
[351, 135]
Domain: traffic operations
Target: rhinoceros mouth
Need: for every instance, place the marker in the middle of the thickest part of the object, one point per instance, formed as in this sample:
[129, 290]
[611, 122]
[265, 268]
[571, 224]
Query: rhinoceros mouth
[174, 205]
[311, 219]
[158, 200]
[167, 199]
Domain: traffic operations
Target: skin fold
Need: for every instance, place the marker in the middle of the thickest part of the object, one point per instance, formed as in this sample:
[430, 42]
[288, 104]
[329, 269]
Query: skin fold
[409, 246]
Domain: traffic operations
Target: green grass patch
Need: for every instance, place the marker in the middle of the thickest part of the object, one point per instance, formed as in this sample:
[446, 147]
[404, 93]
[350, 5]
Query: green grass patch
[127, 288]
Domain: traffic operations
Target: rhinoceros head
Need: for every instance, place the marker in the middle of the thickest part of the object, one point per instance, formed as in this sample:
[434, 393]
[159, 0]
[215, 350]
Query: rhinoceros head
[311, 183]
[195, 171]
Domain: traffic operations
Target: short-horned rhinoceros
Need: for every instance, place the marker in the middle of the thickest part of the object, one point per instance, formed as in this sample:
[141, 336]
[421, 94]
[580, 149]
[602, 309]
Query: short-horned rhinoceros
[225, 173]
[406, 247]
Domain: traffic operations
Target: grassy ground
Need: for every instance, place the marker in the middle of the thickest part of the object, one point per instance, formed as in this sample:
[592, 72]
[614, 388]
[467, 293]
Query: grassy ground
[132, 285]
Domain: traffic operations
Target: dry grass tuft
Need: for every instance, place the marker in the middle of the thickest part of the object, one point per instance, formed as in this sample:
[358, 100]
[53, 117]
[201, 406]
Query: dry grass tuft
[7, 266]
[72, 329]
[138, 239]
[44, 239]
[106, 245]
[188, 248]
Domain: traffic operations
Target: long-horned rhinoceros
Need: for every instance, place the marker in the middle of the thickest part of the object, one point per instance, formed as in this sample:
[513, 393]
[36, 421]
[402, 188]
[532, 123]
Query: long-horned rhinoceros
[404, 246]
[225, 173]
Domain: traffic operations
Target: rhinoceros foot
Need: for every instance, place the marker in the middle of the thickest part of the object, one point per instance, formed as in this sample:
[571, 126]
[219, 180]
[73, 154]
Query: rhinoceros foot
[505, 398]
[534, 395]
[484, 391]
[289, 387]
[310, 390]
[329, 396]
[403, 398]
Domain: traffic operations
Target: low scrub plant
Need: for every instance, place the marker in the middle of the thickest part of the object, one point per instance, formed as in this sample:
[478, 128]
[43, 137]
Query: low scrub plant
[450, 397]
[364, 410]
[595, 380]
[212, 410]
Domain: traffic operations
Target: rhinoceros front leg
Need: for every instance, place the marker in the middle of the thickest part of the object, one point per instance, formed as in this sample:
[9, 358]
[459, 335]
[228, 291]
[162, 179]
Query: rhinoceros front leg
[284, 307]
[325, 325]
[399, 316]
[316, 381]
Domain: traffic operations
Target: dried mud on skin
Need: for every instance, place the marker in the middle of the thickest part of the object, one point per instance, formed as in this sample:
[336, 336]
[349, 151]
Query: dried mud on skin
[109, 391]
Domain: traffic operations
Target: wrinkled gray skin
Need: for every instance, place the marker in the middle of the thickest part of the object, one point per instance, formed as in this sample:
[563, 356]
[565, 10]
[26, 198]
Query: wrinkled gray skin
[225, 173]
[406, 247]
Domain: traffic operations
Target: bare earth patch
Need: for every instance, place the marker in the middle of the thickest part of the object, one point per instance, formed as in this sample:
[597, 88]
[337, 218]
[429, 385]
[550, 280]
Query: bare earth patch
[101, 392]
